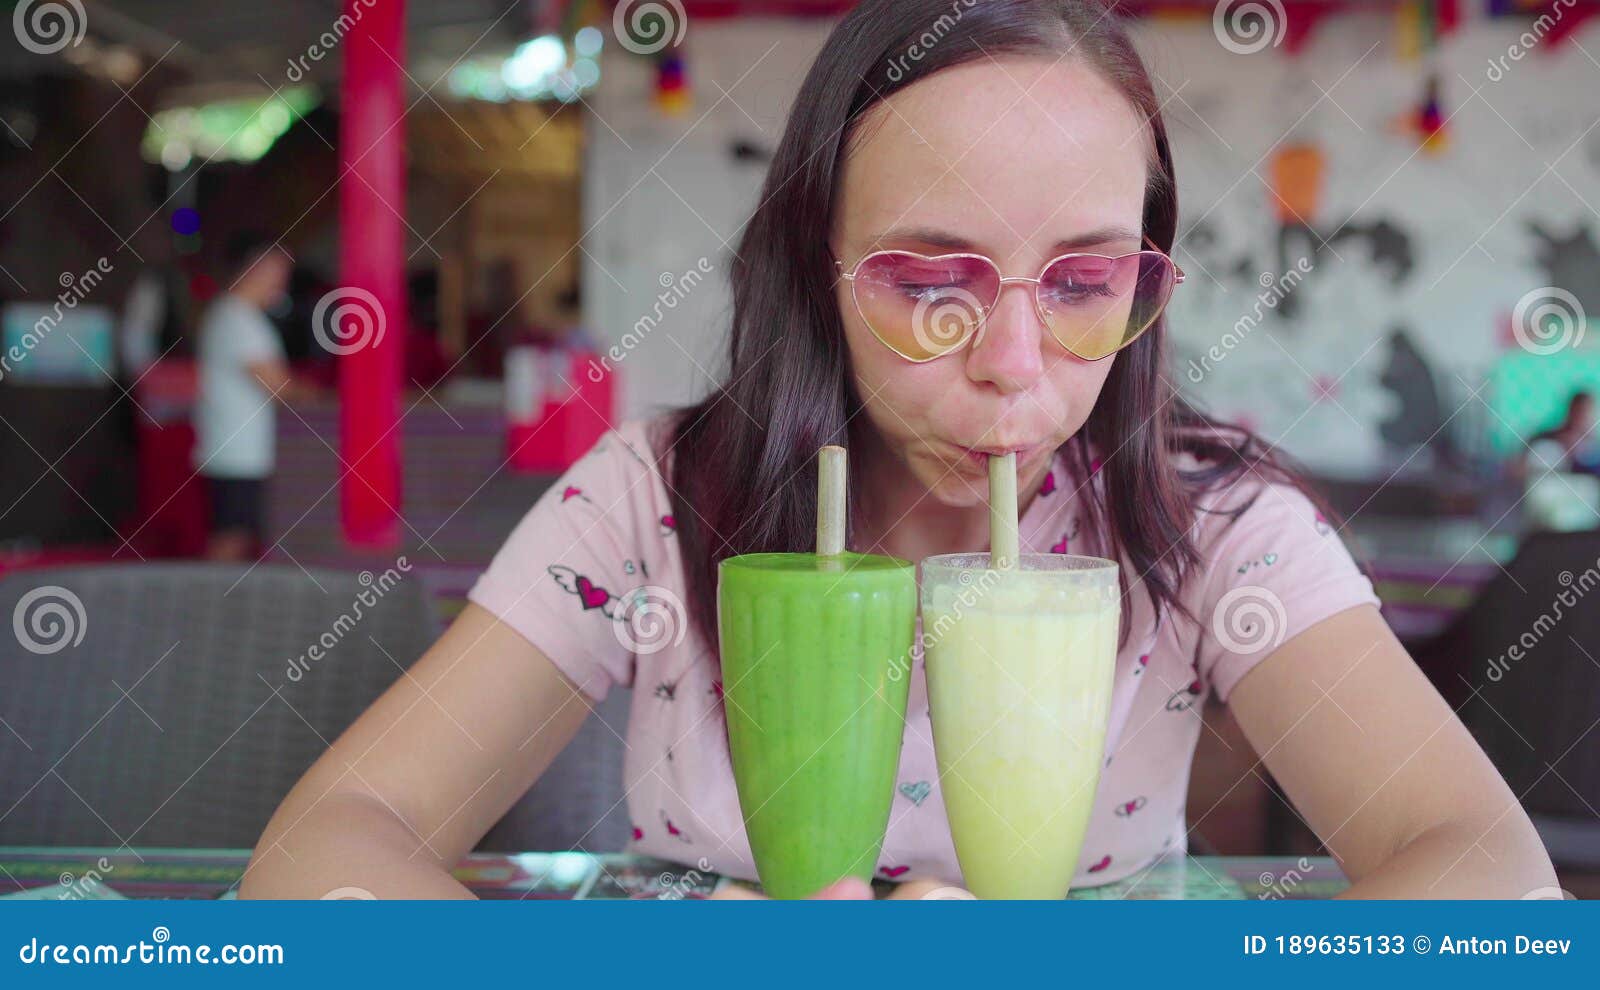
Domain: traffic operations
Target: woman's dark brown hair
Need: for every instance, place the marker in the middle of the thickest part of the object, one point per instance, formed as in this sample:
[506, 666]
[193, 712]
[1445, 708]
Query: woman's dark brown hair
[741, 465]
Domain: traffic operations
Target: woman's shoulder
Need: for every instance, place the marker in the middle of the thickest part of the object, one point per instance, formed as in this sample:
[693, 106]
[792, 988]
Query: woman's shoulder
[1276, 509]
[1233, 477]
[630, 451]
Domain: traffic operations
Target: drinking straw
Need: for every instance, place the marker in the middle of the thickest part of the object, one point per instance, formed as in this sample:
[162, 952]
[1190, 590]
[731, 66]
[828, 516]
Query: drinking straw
[831, 467]
[1004, 546]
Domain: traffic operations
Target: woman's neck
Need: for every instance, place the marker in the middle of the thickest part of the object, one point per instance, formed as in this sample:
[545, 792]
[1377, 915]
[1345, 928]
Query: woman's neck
[903, 520]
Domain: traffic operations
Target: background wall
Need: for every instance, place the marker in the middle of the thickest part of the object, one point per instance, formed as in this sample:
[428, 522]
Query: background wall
[1437, 247]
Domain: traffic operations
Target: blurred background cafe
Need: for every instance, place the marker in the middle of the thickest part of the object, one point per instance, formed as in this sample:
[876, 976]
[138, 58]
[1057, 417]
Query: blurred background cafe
[479, 232]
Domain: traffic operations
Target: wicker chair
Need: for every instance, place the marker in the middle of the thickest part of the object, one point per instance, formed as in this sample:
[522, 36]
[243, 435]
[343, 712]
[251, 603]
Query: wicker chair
[153, 704]
[1536, 715]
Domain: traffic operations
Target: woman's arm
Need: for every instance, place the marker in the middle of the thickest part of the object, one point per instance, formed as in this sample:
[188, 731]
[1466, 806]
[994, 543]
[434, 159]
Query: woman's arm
[1383, 771]
[413, 784]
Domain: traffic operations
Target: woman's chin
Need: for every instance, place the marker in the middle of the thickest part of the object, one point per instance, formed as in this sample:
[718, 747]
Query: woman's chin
[956, 489]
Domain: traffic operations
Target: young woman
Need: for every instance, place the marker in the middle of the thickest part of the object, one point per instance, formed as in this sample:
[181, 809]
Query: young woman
[962, 248]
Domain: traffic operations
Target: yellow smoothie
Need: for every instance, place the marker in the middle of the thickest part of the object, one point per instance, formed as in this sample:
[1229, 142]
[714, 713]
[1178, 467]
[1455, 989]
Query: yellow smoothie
[1019, 668]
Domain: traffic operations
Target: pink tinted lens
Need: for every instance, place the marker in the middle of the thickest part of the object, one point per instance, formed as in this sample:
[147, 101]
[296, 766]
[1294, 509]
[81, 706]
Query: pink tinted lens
[923, 307]
[1095, 305]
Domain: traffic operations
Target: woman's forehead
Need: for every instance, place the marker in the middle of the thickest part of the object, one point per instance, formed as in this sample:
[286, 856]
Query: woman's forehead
[998, 153]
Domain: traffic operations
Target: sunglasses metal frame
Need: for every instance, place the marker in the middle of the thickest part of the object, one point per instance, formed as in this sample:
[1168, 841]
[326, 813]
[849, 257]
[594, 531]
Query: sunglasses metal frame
[977, 331]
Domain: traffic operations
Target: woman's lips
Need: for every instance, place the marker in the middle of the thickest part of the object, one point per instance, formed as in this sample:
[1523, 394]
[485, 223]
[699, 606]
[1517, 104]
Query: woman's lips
[978, 457]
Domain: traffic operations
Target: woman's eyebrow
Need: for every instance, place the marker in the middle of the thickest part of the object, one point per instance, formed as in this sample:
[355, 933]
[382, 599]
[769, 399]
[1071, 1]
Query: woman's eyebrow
[948, 241]
[1100, 235]
[930, 236]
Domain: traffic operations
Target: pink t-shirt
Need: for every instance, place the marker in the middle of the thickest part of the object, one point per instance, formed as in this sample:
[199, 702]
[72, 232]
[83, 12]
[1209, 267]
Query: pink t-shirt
[605, 533]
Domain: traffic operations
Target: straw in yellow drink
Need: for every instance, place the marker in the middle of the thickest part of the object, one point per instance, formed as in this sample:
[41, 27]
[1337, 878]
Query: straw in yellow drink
[1020, 654]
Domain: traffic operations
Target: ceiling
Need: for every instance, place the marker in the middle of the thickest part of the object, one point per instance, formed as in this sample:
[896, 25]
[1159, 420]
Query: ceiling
[238, 42]
[223, 43]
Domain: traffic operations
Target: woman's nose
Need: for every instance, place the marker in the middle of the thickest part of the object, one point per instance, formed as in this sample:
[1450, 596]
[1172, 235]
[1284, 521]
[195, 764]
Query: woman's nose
[1008, 352]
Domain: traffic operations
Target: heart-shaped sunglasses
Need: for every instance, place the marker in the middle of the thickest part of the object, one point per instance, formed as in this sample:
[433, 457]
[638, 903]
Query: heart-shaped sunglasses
[924, 307]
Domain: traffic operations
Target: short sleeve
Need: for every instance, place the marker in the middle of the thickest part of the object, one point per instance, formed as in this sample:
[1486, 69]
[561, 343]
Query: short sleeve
[255, 340]
[563, 576]
[1269, 574]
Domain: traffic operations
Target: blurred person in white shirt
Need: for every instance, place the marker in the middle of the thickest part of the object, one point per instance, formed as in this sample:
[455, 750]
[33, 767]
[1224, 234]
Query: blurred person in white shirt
[243, 373]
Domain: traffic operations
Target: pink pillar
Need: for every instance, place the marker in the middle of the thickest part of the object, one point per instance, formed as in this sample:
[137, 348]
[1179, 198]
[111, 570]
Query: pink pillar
[372, 260]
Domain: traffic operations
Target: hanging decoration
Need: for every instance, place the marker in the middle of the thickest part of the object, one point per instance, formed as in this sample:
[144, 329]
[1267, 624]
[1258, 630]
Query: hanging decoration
[672, 86]
[1419, 27]
[1297, 170]
[1421, 24]
[655, 30]
[1431, 120]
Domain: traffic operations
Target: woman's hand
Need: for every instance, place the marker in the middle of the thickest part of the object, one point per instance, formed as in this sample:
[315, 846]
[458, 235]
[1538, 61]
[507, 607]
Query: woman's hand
[848, 889]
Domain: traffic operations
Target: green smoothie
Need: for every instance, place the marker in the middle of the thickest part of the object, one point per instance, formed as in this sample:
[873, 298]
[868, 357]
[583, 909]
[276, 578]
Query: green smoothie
[816, 660]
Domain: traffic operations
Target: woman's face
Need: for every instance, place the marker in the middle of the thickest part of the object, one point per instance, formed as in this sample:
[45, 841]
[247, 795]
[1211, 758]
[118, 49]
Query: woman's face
[1020, 160]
